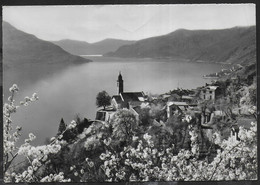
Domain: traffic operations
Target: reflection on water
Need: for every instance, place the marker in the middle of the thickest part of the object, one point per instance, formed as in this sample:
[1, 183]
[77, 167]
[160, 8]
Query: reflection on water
[74, 90]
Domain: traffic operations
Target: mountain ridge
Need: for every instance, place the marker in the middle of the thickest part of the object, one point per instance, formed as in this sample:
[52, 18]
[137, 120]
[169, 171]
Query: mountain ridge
[233, 45]
[27, 59]
[21, 47]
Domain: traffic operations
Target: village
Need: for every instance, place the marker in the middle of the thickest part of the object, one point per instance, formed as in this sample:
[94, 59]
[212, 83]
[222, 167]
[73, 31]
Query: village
[201, 102]
[224, 72]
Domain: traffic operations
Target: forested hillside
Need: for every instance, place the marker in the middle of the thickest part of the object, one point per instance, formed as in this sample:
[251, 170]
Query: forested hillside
[234, 45]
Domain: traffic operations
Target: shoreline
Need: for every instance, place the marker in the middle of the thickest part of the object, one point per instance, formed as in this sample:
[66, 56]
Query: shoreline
[169, 59]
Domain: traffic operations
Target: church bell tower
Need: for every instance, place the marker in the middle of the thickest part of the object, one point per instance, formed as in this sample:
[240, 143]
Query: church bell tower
[120, 83]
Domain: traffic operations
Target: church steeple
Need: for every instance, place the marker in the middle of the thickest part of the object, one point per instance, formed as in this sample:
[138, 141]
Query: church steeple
[120, 83]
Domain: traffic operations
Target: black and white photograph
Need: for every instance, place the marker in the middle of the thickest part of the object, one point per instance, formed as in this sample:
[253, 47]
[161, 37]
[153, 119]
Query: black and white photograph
[129, 93]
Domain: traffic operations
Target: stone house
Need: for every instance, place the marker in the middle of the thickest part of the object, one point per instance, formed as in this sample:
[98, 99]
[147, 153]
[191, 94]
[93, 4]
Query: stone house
[209, 93]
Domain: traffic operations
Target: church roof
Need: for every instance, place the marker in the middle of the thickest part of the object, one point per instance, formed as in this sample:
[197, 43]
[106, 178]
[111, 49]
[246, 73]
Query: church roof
[135, 103]
[117, 98]
[132, 96]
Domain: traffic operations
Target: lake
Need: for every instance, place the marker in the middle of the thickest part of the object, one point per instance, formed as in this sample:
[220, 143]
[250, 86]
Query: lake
[73, 91]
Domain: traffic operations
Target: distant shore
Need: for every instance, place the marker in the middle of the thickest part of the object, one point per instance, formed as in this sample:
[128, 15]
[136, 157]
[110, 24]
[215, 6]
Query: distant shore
[163, 58]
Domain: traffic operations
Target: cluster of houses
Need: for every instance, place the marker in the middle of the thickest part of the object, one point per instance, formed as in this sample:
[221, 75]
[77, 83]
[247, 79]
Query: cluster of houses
[135, 101]
[224, 72]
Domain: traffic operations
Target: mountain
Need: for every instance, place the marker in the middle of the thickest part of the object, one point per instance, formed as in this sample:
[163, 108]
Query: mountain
[234, 45]
[97, 48]
[27, 59]
[20, 47]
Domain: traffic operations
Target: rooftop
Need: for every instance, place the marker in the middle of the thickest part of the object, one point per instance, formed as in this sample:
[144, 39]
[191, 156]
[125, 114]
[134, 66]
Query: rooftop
[132, 96]
[177, 103]
[187, 97]
[210, 87]
[107, 109]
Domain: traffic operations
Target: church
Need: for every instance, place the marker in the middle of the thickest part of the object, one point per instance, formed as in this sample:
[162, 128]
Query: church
[123, 100]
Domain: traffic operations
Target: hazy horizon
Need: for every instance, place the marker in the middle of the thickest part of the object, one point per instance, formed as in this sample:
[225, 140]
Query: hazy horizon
[94, 23]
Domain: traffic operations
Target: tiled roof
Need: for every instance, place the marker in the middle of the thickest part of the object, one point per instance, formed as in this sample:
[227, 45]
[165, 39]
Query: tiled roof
[211, 87]
[137, 109]
[135, 103]
[187, 97]
[131, 96]
[177, 103]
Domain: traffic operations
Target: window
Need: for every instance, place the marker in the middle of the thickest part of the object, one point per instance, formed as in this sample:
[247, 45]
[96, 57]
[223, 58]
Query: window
[101, 116]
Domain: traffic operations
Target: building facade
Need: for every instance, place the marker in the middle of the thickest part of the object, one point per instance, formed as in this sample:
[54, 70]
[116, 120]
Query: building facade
[208, 93]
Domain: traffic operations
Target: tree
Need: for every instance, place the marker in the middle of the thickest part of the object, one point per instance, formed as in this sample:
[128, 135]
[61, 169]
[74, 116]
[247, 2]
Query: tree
[62, 126]
[103, 99]
[144, 116]
[124, 125]
[253, 95]
[158, 112]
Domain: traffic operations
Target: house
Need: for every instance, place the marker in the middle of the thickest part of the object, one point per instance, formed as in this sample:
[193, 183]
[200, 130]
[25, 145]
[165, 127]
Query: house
[174, 97]
[187, 99]
[105, 114]
[175, 108]
[209, 92]
[166, 96]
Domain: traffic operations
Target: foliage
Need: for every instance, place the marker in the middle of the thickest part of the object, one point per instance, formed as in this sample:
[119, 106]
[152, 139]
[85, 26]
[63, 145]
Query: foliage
[70, 135]
[158, 112]
[120, 151]
[37, 156]
[236, 160]
[124, 125]
[144, 117]
[103, 99]
[178, 130]
[181, 92]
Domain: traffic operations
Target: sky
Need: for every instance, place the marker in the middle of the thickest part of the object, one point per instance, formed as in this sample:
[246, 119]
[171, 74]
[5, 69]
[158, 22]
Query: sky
[93, 23]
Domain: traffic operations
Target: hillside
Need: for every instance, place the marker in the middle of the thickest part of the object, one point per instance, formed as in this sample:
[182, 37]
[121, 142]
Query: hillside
[234, 45]
[20, 47]
[27, 59]
[97, 48]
